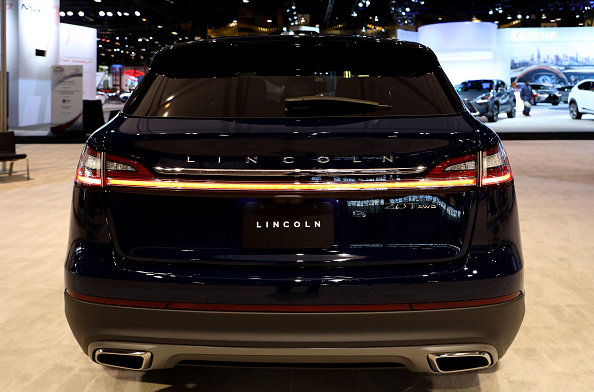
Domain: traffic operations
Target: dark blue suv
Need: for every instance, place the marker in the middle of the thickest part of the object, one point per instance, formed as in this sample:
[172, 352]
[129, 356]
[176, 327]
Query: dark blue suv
[296, 200]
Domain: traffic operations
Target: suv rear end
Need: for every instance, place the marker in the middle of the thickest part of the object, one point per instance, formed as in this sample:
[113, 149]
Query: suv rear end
[325, 209]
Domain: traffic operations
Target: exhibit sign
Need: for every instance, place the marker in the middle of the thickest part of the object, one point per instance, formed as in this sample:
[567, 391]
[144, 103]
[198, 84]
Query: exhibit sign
[560, 56]
[67, 98]
[78, 46]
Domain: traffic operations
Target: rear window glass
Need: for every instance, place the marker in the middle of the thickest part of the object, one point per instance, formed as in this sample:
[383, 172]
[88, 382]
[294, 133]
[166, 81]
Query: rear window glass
[265, 96]
[476, 85]
[294, 77]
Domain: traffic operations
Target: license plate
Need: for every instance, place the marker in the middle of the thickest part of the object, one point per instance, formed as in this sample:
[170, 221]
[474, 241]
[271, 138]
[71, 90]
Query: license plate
[272, 226]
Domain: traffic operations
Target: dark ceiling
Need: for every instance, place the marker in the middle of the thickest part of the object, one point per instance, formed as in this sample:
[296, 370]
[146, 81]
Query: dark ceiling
[131, 31]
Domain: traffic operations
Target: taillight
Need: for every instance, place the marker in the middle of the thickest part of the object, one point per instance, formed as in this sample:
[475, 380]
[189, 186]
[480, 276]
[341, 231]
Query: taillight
[463, 168]
[88, 172]
[455, 172]
[496, 168]
[91, 172]
[123, 168]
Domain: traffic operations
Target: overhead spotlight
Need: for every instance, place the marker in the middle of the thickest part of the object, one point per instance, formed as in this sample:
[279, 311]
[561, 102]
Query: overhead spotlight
[490, 12]
[101, 13]
[62, 13]
[119, 13]
[69, 13]
[137, 13]
[519, 16]
[81, 14]
[126, 14]
[109, 13]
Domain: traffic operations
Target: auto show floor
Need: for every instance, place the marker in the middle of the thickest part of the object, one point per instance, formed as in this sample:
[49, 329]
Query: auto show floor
[555, 186]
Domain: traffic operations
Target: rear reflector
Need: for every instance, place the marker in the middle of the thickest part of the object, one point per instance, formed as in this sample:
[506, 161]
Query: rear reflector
[294, 308]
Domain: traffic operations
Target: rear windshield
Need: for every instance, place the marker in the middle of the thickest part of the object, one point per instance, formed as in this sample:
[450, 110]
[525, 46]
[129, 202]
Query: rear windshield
[310, 78]
[476, 85]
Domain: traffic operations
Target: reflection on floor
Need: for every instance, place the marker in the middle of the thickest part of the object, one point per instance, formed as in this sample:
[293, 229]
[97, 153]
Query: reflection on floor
[555, 185]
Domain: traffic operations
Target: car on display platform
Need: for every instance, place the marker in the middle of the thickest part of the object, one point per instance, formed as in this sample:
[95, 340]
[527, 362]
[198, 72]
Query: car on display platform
[581, 99]
[564, 92]
[545, 94]
[488, 97]
[300, 212]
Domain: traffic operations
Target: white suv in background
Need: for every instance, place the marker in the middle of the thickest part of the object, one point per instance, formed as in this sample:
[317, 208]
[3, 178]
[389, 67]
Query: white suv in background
[581, 99]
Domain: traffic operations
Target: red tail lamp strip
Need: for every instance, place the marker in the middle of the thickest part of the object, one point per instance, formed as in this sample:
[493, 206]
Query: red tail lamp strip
[289, 187]
[294, 308]
[498, 180]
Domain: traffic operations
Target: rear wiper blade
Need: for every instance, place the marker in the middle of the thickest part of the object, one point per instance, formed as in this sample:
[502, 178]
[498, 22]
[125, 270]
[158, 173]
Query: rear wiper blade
[320, 105]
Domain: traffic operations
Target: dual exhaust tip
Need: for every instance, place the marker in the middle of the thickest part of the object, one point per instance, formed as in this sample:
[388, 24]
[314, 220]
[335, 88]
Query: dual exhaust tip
[123, 359]
[460, 362]
[440, 363]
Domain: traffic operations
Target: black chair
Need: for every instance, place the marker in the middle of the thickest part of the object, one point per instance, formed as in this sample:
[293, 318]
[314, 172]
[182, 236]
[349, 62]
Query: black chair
[8, 152]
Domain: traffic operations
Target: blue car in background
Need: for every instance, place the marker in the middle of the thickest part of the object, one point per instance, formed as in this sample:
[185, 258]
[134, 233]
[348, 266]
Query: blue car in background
[295, 200]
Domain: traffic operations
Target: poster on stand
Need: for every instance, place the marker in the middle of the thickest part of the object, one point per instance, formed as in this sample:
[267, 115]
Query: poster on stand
[67, 98]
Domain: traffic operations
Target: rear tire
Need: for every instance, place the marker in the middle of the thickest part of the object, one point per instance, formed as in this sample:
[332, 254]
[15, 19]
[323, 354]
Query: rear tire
[574, 112]
[512, 112]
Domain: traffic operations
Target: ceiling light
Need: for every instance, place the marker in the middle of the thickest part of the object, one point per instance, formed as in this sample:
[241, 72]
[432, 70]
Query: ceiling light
[101, 13]
[69, 13]
[109, 13]
[62, 13]
[137, 13]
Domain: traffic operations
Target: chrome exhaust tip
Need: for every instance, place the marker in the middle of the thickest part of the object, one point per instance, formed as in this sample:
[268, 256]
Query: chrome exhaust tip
[123, 359]
[460, 362]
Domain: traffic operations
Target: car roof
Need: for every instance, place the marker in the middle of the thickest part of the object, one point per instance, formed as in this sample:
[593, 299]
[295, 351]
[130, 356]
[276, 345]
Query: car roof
[220, 55]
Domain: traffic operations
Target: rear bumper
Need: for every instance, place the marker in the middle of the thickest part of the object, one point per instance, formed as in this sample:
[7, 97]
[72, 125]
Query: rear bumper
[402, 337]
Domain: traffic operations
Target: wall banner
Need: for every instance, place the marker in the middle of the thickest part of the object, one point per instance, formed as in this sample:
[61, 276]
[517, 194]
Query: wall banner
[67, 98]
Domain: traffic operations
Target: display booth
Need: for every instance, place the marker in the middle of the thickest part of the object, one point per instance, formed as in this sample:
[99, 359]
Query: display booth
[469, 50]
[37, 43]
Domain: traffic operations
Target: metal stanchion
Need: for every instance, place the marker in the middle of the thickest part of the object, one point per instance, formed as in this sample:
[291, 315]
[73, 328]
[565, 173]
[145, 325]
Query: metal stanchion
[3, 71]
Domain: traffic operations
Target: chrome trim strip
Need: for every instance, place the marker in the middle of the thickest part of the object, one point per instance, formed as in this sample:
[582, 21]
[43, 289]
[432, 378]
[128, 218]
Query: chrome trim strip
[292, 173]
